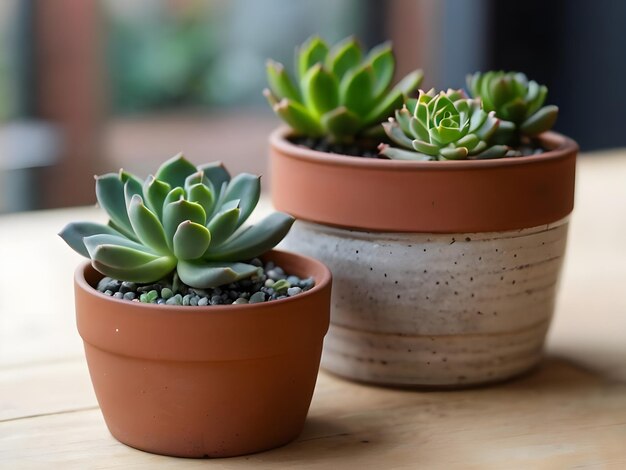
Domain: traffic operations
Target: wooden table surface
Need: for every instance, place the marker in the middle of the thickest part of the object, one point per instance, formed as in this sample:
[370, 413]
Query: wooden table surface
[570, 413]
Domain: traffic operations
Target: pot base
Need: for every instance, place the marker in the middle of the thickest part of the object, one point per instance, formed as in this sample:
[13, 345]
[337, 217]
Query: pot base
[436, 310]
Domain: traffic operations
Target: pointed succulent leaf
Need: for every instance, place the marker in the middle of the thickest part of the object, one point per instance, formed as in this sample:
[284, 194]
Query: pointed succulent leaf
[147, 226]
[132, 185]
[148, 272]
[313, 51]
[400, 154]
[271, 98]
[216, 173]
[94, 241]
[155, 192]
[356, 89]
[190, 240]
[469, 141]
[489, 126]
[280, 83]
[320, 90]
[403, 118]
[458, 153]
[536, 101]
[383, 63]
[175, 170]
[341, 123]
[395, 133]
[174, 195]
[110, 194]
[426, 148]
[222, 226]
[495, 151]
[515, 110]
[418, 129]
[74, 233]
[246, 188]
[123, 257]
[203, 275]
[197, 177]
[202, 195]
[178, 212]
[254, 240]
[345, 55]
[298, 117]
[541, 121]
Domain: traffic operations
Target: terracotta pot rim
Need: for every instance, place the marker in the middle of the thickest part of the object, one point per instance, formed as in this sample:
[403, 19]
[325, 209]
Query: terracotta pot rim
[559, 146]
[325, 279]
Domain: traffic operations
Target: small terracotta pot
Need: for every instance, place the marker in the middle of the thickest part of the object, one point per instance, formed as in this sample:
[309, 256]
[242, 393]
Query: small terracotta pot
[212, 381]
[445, 272]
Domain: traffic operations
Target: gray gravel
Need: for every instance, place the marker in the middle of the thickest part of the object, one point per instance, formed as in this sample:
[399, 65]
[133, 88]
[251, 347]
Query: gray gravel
[271, 283]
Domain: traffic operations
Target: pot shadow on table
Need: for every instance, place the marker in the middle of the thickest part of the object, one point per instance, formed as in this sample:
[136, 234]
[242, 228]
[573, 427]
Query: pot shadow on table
[357, 423]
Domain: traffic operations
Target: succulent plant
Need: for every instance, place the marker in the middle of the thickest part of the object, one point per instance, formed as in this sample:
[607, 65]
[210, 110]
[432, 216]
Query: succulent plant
[185, 218]
[516, 101]
[442, 126]
[339, 93]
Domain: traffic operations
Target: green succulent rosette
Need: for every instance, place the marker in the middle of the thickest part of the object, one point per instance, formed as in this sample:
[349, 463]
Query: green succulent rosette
[442, 126]
[340, 93]
[516, 101]
[185, 218]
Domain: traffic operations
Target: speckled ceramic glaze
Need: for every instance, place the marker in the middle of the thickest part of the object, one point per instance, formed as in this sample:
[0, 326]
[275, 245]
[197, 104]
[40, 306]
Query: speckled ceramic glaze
[445, 272]
[438, 310]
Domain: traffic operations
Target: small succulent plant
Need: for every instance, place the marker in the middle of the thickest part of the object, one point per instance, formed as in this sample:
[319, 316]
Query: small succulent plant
[442, 126]
[185, 218]
[516, 101]
[339, 93]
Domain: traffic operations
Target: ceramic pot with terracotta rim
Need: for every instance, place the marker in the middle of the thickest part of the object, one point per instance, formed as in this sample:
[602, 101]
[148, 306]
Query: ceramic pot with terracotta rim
[213, 381]
[445, 273]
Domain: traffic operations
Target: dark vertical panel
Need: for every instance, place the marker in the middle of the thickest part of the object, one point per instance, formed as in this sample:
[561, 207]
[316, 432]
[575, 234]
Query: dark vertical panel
[578, 49]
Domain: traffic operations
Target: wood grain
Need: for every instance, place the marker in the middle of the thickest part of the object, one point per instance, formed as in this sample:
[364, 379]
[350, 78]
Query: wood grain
[570, 413]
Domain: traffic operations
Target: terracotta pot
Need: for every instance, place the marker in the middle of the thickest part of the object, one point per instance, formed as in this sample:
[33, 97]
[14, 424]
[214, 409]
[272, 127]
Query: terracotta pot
[445, 272]
[212, 381]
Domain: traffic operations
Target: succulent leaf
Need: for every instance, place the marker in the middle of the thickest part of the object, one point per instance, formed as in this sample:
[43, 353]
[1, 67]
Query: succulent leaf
[148, 272]
[223, 225]
[356, 89]
[320, 90]
[254, 240]
[216, 173]
[341, 121]
[515, 100]
[245, 189]
[343, 56]
[298, 117]
[110, 195]
[192, 227]
[343, 95]
[175, 170]
[443, 126]
[541, 121]
[155, 192]
[177, 212]
[132, 185]
[383, 64]
[203, 274]
[312, 52]
[190, 240]
[75, 232]
[280, 83]
[147, 226]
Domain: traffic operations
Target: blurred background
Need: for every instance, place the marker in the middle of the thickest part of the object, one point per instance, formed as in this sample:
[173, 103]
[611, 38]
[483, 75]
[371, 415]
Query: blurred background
[89, 86]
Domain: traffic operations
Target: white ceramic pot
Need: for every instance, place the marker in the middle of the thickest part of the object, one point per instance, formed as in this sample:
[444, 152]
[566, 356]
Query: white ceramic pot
[415, 309]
